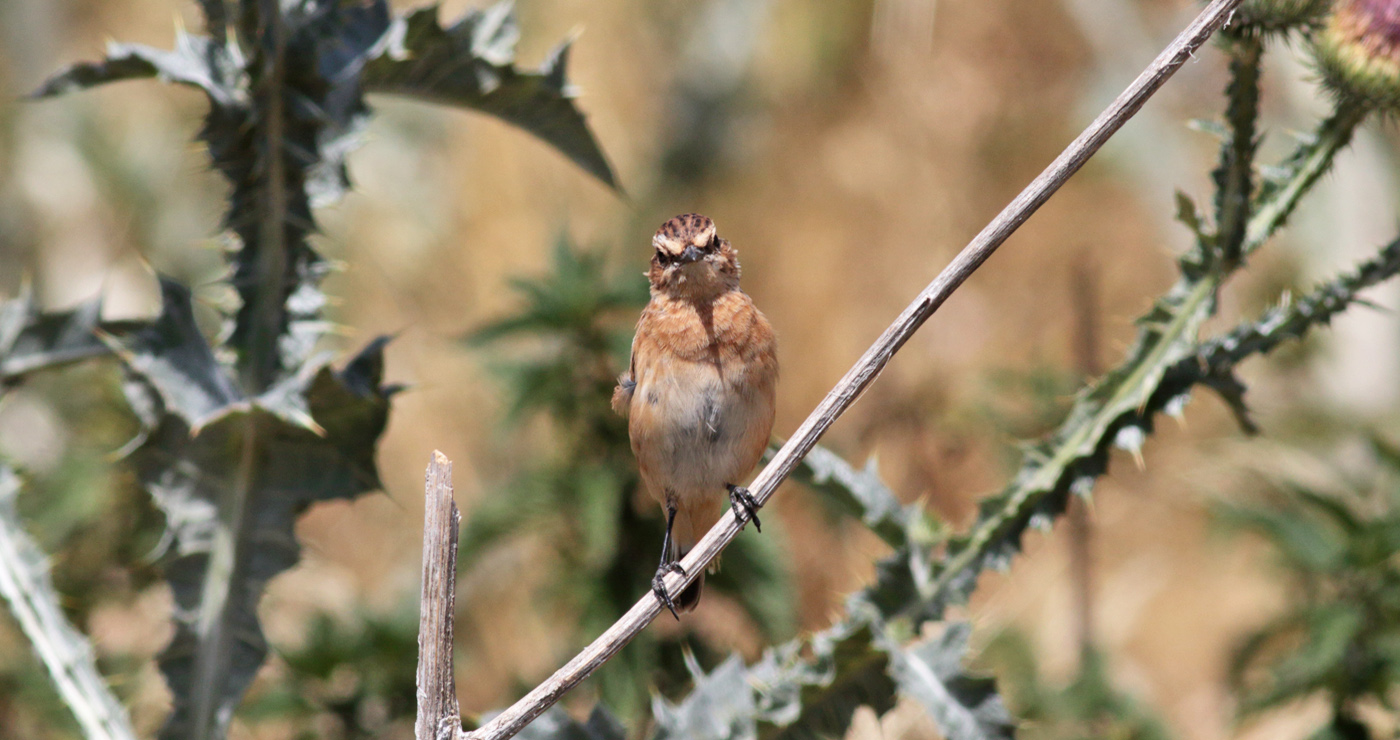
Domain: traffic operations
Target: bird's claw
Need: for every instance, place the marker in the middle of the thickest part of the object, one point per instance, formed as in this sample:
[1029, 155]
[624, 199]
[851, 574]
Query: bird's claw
[658, 586]
[744, 504]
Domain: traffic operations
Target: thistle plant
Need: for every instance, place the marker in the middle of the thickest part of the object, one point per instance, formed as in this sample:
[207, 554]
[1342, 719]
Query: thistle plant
[239, 435]
[1337, 637]
[1358, 53]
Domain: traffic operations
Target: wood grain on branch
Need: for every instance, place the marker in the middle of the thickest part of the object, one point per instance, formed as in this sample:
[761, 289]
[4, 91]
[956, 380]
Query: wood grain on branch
[438, 715]
[859, 377]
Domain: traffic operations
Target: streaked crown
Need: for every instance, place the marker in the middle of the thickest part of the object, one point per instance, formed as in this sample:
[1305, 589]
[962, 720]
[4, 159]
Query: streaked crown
[690, 229]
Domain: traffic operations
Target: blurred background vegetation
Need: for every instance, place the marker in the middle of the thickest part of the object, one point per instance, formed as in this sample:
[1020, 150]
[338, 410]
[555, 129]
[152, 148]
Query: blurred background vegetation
[848, 149]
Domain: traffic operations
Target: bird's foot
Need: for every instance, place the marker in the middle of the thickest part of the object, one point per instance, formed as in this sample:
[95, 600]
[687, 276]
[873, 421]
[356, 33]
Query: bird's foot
[658, 585]
[744, 505]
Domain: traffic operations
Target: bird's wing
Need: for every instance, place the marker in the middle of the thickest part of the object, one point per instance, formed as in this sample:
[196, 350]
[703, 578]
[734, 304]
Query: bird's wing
[627, 382]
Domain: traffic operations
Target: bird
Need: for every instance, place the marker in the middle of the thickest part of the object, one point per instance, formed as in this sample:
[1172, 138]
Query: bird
[699, 393]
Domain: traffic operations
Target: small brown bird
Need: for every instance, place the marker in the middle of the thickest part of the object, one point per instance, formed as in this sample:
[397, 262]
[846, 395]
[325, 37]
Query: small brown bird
[699, 394]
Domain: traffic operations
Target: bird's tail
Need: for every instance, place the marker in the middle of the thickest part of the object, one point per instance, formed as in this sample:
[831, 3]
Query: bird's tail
[690, 597]
[694, 518]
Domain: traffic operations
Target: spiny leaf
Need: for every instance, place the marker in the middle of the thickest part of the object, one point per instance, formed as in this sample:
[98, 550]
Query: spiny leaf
[32, 339]
[26, 585]
[903, 587]
[1079, 448]
[174, 358]
[1234, 176]
[810, 687]
[719, 708]
[283, 152]
[963, 706]
[232, 492]
[471, 64]
[1291, 320]
[846, 670]
[279, 127]
[1163, 365]
[996, 536]
[231, 488]
[1231, 390]
[863, 494]
[806, 688]
[1279, 193]
[556, 724]
[1188, 215]
[196, 61]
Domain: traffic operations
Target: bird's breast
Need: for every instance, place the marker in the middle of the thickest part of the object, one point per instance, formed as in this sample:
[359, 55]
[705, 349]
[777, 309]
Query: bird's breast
[692, 429]
[702, 409]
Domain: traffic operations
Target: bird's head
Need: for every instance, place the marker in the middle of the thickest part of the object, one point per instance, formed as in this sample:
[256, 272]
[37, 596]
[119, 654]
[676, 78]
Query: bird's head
[691, 260]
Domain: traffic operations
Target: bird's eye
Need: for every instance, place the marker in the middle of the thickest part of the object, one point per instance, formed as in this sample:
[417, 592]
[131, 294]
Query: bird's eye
[662, 258]
[714, 242]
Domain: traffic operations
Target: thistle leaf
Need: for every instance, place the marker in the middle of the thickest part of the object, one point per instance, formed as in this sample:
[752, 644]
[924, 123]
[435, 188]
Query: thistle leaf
[556, 724]
[196, 61]
[283, 152]
[175, 359]
[1187, 213]
[471, 64]
[32, 340]
[864, 495]
[845, 670]
[1234, 176]
[27, 587]
[720, 707]
[964, 707]
[232, 473]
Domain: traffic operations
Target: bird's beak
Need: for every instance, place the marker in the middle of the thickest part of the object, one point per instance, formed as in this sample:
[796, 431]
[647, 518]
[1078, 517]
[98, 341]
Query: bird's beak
[691, 254]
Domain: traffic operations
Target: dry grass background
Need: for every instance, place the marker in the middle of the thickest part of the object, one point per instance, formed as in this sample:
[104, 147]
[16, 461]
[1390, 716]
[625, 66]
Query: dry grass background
[876, 137]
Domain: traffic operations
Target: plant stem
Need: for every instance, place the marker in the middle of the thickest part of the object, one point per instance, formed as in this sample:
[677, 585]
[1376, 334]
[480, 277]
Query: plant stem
[1310, 162]
[1234, 178]
[437, 689]
[259, 357]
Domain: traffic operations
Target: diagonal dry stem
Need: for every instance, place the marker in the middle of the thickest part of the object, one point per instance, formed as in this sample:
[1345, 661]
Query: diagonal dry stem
[858, 378]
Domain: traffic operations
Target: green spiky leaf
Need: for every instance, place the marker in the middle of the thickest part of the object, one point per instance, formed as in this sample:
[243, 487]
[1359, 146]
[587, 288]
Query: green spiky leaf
[471, 64]
[195, 61]
[556, 724]
[27, 587]
[32, 339]
[965, 707]
[862, 494]
[231, 474]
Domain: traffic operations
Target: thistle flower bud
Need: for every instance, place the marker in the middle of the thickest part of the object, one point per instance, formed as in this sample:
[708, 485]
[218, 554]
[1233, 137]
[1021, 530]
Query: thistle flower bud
[1358, 52]
[1279, 15]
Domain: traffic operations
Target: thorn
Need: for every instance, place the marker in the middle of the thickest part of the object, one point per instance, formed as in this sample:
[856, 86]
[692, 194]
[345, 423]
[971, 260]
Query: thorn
[1175, 408]
[1131, 438]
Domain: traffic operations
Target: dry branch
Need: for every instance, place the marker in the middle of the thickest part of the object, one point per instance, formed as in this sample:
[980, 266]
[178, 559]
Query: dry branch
[1217, 14]
[438, 715]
